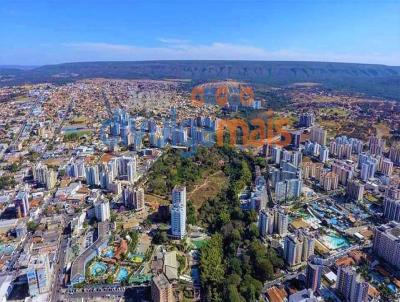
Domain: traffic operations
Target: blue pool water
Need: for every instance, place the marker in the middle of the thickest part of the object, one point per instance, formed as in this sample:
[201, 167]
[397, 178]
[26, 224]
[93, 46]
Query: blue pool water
[122, 274]
[109, 253]
[392, 288]
[6, 249]
[335, 242]
[334, 221]
[98, 269]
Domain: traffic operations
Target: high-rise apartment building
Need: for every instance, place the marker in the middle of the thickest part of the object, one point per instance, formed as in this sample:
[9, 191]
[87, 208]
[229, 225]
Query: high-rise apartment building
[376, 145]
[133, 198]
[312, 170]
[39, 275]
[306, 120]
[385, 166]
[266, 222]
[394, 154]
[102, 210]
[392, 192]
[21, 203]
[355, 190]
[276, 154]
[161, 289]
[273, 221]
[313, 275]
[350, 286]
[288, 189]
[323, 154]
[341, 147]
[387, 242]
[131, 170]
[318, 135]
[329, 181]
[76, 169]
[44, 176]
[93, 176]
[391, 209]
[139, 199]
[298, 248]
[178, 212]
[343, 170]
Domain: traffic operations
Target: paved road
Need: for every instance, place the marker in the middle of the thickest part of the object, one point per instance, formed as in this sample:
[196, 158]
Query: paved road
[138, 293]
[102, 294]
[281, 280]
[17, 253]
[59, 268]
[35, 104]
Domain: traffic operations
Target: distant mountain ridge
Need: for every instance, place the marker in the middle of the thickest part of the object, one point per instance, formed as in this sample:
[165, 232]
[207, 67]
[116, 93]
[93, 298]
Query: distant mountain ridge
[373, 80]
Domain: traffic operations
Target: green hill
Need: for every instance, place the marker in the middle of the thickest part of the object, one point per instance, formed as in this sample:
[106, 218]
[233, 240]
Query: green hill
[373, 80]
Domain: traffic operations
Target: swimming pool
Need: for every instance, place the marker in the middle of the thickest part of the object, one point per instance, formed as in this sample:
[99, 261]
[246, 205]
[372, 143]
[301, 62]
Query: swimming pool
[6, 249]
[98, 269]
[335, 241]
[392, 288]
[122, 274]
[109, 253]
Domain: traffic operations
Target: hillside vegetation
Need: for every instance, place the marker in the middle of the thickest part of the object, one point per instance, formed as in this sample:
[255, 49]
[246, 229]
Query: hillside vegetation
[373, 80]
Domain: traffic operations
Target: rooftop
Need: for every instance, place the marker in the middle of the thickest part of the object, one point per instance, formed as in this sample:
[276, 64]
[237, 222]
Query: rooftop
[78, 266]
[161, 281]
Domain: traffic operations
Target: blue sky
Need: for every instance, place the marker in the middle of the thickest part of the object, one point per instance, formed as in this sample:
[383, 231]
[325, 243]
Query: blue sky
[39, 32]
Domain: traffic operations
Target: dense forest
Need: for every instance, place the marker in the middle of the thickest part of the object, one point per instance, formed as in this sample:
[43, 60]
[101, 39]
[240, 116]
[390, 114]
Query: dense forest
[234, 263]
[172, 169]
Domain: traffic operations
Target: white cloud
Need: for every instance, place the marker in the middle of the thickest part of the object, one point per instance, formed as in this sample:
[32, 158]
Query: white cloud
[176, 49]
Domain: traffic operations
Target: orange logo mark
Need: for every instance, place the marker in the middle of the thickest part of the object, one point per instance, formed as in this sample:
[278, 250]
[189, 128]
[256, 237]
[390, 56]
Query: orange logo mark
[246, 96]
[262, 132]
[198, 96]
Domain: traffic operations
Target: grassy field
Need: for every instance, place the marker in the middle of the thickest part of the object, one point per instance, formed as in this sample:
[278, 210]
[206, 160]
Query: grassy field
[339, 112]
[78, 120]
[210, 187]
[382, 130]
[331, 126]
[155, 200]
[74, 135]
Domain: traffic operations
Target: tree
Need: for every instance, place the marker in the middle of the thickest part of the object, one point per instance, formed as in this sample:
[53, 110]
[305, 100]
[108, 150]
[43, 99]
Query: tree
[236, 266]
[250, 288]
[31, 226]
[191, 213]
[233, 279]
[182, 262]
[7, 182]
[14, 167]
[253, 232]
[260, 161]
[113, 216]
[109, 279]
[264, 270]
[234, 295]
[160, 237]
[224, 217]
[212, 267]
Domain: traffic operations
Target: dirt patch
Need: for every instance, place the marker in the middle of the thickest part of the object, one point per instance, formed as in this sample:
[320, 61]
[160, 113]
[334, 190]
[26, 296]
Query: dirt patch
[210, 187]
[154, 201]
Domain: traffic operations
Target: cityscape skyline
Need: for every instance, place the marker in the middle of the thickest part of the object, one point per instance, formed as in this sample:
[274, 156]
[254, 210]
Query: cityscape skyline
[205, 174]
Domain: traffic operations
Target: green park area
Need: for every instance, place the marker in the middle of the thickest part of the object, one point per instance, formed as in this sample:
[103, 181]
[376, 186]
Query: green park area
[76, 135]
